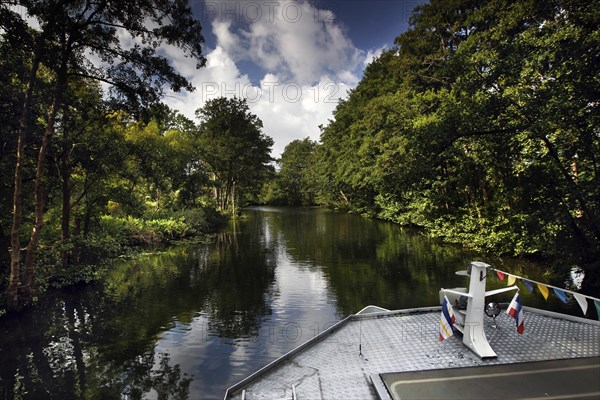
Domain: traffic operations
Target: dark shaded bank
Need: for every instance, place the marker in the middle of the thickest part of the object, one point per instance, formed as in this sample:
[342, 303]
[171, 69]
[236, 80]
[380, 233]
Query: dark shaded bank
[569, 256]
[116, 238]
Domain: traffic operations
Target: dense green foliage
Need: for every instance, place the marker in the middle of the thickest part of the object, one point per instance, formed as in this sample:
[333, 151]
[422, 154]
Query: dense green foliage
[481, 125]
[295, 184]
[237, 154]
[87, 172]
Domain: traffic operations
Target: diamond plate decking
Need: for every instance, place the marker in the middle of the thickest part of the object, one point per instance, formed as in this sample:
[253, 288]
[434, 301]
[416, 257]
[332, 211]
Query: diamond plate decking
[330, 366]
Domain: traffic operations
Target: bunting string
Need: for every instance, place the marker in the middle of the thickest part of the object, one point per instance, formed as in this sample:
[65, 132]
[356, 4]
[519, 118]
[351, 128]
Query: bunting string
[544, 290]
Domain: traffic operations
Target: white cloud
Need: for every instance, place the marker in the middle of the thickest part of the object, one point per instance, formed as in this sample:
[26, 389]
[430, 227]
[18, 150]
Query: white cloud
[308, 62]
[372, 54]
[219, 77]
[291, 111]
[228, 41]
[297, 43]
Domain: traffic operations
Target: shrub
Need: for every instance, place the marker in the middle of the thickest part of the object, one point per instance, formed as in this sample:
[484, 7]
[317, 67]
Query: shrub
[162, 227]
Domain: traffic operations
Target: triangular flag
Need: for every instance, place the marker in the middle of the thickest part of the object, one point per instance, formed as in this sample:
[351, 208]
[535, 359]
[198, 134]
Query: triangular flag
[529, 285]
[511, 280]
[561, 295]
[515, 310]
[543, 290]
[582, 300]
[500, 275]
[447, 320]
[597, 304]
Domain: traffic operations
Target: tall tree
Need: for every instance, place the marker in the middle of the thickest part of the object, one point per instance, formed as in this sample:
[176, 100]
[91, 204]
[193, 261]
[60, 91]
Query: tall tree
[69, 37]
[13, 71]
[190, 179]
[294, 176]
[234, 148]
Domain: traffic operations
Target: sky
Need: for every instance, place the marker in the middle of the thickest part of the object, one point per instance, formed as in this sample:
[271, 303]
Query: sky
[292, 60]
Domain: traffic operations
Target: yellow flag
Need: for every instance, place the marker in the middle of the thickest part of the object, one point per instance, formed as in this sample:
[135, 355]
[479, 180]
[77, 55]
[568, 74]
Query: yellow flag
[511, 280]
[543, 290]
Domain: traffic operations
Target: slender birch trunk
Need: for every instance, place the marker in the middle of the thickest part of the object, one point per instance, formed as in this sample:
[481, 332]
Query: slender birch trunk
[66, 200]
[40, 170]
[15, 240]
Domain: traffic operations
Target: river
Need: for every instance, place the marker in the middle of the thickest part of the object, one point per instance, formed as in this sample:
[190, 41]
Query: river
[190, 321]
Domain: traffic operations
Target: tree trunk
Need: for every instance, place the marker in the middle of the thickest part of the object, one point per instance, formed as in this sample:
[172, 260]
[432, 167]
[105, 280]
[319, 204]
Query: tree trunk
[66, 200]
[233, 198]
[34, 239]
[12, 300]
[87, 217]
[227, 194]
[344, 197]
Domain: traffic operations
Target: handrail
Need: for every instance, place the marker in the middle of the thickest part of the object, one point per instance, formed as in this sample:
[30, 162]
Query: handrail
[501, 290]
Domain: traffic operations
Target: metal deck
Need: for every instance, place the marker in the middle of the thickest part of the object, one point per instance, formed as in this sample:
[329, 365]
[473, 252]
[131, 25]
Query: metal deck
[331, 365]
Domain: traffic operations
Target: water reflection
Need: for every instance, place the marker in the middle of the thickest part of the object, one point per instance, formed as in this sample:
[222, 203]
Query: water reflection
[367, 262]
[191, 321]
[63, 352]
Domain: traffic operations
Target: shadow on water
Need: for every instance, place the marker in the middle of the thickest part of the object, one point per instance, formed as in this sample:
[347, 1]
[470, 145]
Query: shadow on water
[99, 342]
[58, 351]
[189, 322]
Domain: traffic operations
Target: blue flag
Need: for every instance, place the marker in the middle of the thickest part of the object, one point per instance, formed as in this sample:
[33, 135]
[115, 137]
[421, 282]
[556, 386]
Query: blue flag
[529, 285]
[561, 295]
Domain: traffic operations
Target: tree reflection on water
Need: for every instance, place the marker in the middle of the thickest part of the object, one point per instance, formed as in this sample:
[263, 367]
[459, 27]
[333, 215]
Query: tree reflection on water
[192, 320]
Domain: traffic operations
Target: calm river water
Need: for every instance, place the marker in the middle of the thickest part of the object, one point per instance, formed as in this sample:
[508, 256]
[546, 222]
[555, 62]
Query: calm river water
[193, 320]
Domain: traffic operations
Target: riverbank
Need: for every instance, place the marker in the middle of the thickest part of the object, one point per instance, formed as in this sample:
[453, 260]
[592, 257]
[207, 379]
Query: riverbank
[561, 259]
[115, 237]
